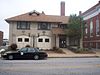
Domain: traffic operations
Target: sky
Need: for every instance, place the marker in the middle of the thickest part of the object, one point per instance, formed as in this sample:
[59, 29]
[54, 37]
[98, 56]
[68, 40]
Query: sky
[10, 8]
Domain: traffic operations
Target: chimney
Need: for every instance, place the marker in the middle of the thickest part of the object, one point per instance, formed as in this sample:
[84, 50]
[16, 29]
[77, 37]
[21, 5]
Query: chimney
[62, 9]
[80, 12]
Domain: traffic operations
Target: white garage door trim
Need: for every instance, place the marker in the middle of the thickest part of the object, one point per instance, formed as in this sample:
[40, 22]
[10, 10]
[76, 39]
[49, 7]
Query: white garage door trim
[22, 41]
[44, 42]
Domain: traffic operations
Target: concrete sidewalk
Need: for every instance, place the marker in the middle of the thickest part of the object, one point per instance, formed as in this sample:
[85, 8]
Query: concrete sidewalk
[70, 54]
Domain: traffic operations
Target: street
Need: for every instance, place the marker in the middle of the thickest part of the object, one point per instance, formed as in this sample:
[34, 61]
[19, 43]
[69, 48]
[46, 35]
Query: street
[51, 66]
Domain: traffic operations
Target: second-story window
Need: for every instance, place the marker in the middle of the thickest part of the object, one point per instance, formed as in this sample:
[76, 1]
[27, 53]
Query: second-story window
[44, 26]
[23, 25]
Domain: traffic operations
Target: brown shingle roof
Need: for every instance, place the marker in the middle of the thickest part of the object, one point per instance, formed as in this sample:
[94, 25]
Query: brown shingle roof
[39, 18]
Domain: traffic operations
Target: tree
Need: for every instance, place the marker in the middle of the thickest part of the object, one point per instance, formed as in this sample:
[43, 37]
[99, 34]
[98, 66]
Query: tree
[75, 27]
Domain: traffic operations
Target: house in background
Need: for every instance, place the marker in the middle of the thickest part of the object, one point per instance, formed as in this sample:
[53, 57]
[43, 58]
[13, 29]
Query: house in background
[1, 38]
[39, 30]
[91, 37]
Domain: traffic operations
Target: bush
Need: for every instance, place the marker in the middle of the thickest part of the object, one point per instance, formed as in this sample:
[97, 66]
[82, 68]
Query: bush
[27, 46]
[58, 50]
[13, 46]
[84, 50]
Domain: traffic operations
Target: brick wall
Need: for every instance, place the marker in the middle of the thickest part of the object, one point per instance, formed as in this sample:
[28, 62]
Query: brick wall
[1, 38]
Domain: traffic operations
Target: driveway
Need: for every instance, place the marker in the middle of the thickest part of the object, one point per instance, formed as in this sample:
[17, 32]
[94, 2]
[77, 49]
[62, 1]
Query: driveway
[51, 66]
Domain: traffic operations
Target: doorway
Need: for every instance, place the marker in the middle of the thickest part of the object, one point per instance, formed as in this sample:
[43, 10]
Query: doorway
[62, 41]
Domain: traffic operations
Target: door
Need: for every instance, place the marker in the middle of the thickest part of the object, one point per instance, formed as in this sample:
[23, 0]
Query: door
[22, 41]
[62, 42]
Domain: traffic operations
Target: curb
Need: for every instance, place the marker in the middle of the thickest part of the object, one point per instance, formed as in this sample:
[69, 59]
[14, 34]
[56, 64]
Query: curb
[77, 57]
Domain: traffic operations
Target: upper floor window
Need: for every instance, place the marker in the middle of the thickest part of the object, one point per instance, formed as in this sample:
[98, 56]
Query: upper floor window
[97, 26]
[44, 26]
[23, 25]
[91, 28]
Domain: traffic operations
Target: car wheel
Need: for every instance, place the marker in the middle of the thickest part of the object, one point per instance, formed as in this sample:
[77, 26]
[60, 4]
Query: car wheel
[36, 57]
[10, 57]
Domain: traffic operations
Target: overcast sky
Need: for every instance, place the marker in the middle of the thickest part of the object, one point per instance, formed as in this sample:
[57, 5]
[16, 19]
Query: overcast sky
[10, 8]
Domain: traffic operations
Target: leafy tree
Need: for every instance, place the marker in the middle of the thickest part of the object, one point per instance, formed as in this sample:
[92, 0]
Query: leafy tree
[75, 28]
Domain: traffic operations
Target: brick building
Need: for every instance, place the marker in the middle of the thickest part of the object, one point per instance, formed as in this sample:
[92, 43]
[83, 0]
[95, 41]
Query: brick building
[1, 38]
[91, 37]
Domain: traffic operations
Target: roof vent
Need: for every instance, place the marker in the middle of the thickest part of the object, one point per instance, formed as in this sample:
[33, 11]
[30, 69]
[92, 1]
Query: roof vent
[34, 12]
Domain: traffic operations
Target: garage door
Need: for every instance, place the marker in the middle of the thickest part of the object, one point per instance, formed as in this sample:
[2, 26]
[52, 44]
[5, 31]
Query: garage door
[22, 41]
[44, 42]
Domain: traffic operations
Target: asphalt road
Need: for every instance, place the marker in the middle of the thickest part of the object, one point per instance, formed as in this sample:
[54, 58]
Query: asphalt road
[51, 66]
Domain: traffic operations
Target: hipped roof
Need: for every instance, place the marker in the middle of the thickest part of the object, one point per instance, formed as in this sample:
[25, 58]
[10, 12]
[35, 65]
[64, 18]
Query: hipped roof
[39, 18]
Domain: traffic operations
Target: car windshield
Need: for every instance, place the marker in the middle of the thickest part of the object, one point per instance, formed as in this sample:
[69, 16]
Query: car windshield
[23, 50]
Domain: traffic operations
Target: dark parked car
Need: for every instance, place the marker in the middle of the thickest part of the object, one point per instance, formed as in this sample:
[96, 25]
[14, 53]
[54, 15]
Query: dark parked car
[25, 53]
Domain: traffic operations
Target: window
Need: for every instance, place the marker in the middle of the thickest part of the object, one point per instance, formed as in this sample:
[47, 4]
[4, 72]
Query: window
[23, 25]
[46, 40]
[23, 50]
[31, 50]
[98, 45]
[44, 26]
[91, 28]
[26, 40]
[40, 40]
[86, 29]
[19, 39]
[97, 26]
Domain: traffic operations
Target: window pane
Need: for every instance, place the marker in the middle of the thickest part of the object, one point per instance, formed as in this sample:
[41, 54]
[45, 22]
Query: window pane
[19, 39]
[31, 50]
[23, 50]
[26, 39]
[91, 28]
[23, 25]
[46, 40]
[40, 40]
[44, 26]
[97, 27]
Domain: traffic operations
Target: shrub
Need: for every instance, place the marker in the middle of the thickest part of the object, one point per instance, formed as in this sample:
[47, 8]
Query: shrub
[84, 50]
[27, 46]
[13, 46]
[58, 50]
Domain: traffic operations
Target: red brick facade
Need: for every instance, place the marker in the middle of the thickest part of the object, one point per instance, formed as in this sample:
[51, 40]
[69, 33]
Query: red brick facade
[1, 38]
[94, 40]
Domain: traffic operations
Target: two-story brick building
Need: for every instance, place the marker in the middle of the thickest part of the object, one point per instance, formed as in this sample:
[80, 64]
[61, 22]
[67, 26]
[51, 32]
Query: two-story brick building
[38, 29]
[92, 27]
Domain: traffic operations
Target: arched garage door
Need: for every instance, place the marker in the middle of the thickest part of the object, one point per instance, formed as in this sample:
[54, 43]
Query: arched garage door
[44, 42]
[22, 41]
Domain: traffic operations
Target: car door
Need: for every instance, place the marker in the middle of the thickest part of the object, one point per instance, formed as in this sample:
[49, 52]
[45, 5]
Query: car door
[30, 53]
[23, 53]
